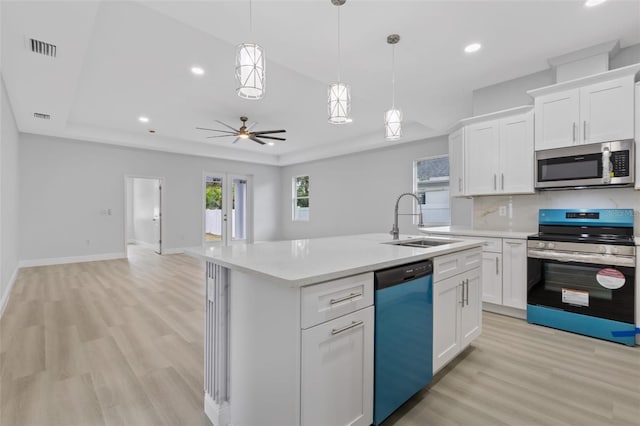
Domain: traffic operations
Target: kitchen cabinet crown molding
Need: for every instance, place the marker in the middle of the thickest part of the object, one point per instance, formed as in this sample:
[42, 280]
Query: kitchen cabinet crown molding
[490, 116]
[630, 70]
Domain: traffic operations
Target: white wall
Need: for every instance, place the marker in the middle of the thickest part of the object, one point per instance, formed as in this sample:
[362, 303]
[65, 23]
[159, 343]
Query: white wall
[65, 184]
[145, 199]
[8, 196]
[356, 193]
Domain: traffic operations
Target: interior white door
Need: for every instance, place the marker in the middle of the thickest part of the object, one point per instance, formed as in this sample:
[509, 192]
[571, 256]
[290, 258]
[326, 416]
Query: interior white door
[157, 216]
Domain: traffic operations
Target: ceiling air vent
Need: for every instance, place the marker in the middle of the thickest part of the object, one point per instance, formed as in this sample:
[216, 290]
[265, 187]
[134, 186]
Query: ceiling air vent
[42, 47]
[42, 116]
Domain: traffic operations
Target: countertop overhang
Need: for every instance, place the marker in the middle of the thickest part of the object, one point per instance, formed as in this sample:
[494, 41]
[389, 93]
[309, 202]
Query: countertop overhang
[298, 263]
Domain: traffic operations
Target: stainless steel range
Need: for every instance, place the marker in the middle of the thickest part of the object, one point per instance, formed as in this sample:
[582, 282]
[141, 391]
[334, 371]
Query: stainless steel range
[581, 273]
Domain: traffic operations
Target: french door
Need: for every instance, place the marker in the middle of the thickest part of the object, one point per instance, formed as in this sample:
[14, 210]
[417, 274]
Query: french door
[227, 215]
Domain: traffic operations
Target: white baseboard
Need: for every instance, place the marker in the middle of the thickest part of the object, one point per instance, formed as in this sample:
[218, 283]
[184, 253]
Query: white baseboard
[7, 292]
[179, 250]
[217, 414]
[142, 244]
[73, 259]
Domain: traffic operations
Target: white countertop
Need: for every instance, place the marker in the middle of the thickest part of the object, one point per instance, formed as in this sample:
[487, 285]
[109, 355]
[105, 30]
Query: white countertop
[455, 230]
[298, 263]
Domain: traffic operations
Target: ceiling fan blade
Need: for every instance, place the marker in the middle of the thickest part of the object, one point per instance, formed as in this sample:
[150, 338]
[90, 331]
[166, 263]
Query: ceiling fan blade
[226, 125]
[264, 132]
[220, 136]
[216, 130]
[236, 140]
[250, 126]
[271, 137]
[253, 138]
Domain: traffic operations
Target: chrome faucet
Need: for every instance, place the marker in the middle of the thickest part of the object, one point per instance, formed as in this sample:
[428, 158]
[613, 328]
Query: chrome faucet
[395, 231]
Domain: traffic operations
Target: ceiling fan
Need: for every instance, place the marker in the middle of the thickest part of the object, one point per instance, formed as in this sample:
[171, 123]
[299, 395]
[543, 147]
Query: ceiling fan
[244, 132]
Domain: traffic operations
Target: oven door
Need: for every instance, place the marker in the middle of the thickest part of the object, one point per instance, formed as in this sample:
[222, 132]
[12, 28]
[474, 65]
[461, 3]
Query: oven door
[597, 290]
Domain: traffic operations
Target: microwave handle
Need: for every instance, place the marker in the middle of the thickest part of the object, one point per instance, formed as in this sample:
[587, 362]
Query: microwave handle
[606, 166]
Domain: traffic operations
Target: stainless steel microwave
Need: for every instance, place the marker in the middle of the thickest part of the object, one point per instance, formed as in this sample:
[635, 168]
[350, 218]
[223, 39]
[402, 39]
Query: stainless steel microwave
[579, 166]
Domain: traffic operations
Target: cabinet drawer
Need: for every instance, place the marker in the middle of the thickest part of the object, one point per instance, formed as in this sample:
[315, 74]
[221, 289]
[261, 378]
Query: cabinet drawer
[492, 245]
[332, 299]
[456, 263]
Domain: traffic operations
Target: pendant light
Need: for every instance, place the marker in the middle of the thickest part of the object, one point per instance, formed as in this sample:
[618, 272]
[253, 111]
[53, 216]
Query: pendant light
[393, 117]
[339, 94]
[250, 67]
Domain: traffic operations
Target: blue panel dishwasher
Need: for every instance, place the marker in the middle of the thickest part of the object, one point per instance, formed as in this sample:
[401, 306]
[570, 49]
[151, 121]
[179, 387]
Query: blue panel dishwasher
[403, 335]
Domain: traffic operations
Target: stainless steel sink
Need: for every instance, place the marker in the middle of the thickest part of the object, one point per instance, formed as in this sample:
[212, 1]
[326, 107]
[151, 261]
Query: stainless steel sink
[422, 242]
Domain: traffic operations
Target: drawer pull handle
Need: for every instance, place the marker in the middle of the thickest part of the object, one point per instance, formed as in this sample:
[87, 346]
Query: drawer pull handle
[466, 297]
[346, 327]
[342, 299]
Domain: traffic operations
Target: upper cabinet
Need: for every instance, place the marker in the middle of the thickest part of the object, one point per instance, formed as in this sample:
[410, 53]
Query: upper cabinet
[637, 114]
[593, 109]
[456, 163]
[498, 156]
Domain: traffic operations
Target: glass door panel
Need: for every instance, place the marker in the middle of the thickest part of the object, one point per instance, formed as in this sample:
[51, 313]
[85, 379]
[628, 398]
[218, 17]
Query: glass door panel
[213, 213]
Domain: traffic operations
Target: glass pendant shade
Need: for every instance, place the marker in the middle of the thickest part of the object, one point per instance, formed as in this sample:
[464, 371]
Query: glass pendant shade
[339, 103]
[393, 124]
[250, 71]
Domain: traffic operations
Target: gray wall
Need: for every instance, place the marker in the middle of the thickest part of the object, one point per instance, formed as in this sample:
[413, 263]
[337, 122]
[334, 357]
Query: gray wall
[512, 93]
[356, 193]
[8, 195]
[66, 184]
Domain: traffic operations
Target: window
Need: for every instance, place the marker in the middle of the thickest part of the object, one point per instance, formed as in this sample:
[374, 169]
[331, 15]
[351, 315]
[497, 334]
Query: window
[431, 184]
[301, 198]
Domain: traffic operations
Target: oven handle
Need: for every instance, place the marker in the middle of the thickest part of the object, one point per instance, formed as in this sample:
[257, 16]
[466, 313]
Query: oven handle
[600, 259]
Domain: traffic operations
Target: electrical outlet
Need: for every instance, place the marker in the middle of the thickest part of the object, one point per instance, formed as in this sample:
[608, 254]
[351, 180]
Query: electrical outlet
[502, 211]
[87, 242]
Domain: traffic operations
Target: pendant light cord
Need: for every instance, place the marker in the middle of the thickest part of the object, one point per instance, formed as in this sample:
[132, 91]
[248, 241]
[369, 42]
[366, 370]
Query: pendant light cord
[250, 18]
[393, 76]
[339, 56]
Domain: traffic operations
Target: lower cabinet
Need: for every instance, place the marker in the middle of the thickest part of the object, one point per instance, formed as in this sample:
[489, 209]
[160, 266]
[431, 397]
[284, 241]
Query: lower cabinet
[457, 314]
[337, 371]
[514, 273]
[492, 277]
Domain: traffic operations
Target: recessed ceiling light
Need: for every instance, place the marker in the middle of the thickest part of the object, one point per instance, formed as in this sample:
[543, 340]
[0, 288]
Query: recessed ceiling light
[591, 3]
[270, 143]
[197, 70]
[473, 47]
[143, 119]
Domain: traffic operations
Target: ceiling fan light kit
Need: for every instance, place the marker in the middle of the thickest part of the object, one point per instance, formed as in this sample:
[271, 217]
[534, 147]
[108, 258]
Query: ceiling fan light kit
[339, 94]
[250, 68]
[393, 117]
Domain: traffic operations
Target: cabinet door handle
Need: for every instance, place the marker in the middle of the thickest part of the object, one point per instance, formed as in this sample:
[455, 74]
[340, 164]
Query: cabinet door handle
[497, 266]
[502, 178]
[466, 297]
[346, 327]
[495, 182]
[460, 184]
[584, 130]
[342, 299]
[462, 293]
[574, 131]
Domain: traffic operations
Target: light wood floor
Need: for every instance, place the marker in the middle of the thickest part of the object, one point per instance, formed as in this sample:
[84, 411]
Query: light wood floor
[120, 343]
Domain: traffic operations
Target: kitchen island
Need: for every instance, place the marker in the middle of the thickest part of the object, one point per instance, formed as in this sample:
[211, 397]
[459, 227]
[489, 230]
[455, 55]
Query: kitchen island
[289, 325]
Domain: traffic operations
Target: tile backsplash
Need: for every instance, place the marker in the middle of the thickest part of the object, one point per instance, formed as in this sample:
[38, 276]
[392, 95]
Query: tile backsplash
[521, 211]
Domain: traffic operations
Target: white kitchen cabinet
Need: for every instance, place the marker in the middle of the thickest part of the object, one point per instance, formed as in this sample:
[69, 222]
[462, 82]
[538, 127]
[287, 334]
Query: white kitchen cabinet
[638, 148]
[514, 273]
[482, 157]
[557, 118]
[499, 156]
[456, 163]
[592, 109]
[457, 310]
[492, 277]
[337, 371]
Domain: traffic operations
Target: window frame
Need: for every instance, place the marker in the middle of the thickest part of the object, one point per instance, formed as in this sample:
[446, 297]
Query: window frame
[295, 198]
[417, 208]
